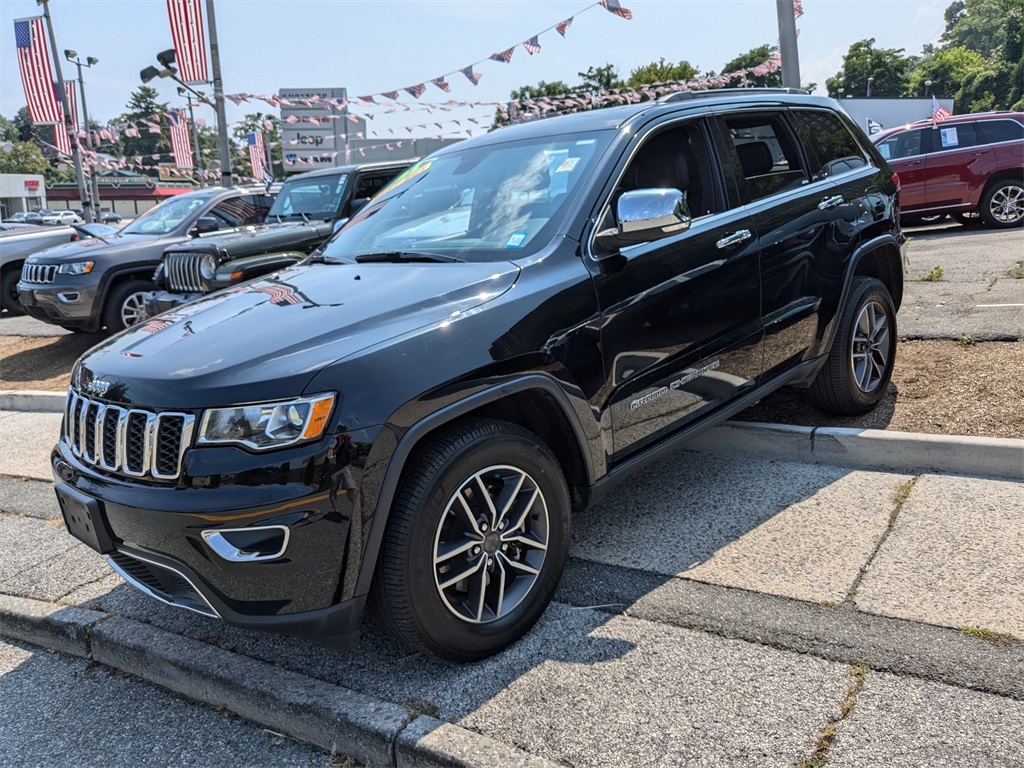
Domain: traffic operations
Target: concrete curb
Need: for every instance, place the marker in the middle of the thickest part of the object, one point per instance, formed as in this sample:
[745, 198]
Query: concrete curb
[32, 401]
[998, 457]
[334, 718]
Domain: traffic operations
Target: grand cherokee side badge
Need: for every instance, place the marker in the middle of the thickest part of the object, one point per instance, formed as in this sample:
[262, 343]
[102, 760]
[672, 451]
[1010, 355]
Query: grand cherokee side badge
[686, 379]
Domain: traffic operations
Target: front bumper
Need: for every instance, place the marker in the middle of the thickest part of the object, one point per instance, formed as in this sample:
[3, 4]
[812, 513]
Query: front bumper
[154, 536]
[163, 301]
[68, 305]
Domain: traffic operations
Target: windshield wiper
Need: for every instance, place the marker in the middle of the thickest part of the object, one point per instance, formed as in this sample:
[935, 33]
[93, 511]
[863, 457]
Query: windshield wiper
[395, 257]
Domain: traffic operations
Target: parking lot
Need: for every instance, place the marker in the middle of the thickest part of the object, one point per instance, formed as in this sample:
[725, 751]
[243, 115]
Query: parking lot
[728, 606]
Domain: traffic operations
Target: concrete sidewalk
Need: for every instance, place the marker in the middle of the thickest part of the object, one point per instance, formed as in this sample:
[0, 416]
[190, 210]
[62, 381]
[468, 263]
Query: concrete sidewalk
[719, 609]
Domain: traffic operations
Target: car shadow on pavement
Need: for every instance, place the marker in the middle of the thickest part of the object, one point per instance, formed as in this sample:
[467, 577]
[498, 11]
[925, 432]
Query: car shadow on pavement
[34, 362]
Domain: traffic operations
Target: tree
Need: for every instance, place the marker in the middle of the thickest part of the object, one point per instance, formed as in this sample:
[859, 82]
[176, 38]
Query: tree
[142, 105]
[887, 66]
[8, 129]
[661, 71]
[750, 59]
[24, 157]
[600, 78]
[948, 68]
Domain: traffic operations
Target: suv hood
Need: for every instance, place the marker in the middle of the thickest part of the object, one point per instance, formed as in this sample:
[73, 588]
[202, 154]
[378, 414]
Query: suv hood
[261, 239]
[266, 339]
[87, 248]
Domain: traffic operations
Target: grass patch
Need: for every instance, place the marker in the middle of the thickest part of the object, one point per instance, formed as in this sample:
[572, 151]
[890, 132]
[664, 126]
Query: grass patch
[965, 340]
[1017, 273]
[992, 281]
[933, 276]
[819, 756]
[899, 497]
[996, 638]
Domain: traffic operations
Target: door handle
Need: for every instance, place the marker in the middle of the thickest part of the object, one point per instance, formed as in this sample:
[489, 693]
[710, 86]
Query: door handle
[980, 152]
[914, 162]
[830, 202]
[734, 239]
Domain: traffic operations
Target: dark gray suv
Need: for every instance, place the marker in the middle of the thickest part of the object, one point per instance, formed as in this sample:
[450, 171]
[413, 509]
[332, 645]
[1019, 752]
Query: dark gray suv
[102, 281]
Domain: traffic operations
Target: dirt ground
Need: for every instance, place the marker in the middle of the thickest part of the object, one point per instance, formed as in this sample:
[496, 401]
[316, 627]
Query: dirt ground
[938, 387]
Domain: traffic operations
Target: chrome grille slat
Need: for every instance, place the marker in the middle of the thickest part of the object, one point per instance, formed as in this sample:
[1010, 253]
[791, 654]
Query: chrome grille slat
[128, 441]
[183, 273]
[39, 273]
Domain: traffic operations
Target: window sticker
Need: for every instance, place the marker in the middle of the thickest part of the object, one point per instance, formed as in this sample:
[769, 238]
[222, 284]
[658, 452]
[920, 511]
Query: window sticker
[517, 240]
[568, 165]
[584, 142]
[949, 137]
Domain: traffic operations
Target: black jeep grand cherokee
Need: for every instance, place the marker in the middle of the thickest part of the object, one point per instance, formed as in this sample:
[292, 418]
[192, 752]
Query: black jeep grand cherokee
[413, 415]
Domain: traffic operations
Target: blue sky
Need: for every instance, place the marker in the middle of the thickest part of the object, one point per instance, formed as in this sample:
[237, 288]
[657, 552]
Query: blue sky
[382, 45]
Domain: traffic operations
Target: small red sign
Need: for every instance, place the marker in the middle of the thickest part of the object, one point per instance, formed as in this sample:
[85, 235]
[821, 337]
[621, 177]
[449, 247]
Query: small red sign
[31, 185]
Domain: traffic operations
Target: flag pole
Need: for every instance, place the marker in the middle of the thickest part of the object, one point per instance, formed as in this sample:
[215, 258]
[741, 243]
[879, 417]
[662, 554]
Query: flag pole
[76, 153]
[218, 98]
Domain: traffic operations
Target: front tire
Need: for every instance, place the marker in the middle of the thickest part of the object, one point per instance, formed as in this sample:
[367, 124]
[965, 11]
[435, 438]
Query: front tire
[1002, 205]
[9, 292]
[126, 305]
[860, 360]
[476, 542]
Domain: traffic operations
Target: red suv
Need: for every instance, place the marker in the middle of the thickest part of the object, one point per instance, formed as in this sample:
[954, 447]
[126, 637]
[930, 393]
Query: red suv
[963, 165]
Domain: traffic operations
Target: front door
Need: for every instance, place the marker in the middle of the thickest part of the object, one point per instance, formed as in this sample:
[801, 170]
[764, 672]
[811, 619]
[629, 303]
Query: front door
[681, 330]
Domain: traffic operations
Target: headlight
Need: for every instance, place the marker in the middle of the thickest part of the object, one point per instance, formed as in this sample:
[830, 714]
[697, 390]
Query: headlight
[268, 425]
[207, 267]
[76, 268]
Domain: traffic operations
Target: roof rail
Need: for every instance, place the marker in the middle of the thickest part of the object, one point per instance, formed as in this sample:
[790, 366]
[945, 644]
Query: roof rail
[684, 95]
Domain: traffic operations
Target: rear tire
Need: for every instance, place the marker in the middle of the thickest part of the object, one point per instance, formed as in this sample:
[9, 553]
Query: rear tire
[126, 305]
[860, 361]
[476, 542]
[1002, 205]
[9, 296]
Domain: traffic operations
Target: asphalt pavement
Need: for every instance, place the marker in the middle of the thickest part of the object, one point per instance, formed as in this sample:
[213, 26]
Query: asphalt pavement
[750, 606]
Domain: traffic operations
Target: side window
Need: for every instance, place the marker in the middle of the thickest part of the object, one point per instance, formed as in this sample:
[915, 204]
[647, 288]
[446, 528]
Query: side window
[949, 137]
[240, 211]
[673, 158]
[370, 185]
[996, 131]
[831, 148]
[766, 153]
[906, 144]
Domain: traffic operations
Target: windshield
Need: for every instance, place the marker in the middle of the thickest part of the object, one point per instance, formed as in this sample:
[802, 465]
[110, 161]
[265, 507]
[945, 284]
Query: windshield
[317, 198]
[166, 216]
[481, 203]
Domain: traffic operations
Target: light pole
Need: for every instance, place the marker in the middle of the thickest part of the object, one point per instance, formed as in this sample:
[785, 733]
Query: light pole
[927, 87]
[195, 135]
[871, 85]
[786, 12]
[76, 154]
[72, 56]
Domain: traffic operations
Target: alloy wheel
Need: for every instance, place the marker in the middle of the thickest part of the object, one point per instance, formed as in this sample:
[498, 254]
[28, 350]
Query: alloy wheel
[869, 355]
[1007, 204]
[133, 310]
[490, 544]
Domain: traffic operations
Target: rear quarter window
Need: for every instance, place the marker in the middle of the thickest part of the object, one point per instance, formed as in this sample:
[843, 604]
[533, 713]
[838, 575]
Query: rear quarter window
[996, 131]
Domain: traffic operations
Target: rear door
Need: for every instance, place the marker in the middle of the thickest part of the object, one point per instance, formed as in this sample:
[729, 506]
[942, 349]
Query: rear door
[958, 165]
[681, 326]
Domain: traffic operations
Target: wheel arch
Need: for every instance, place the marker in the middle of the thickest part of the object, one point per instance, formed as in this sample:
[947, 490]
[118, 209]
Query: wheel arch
[533, 401]
[118, 276]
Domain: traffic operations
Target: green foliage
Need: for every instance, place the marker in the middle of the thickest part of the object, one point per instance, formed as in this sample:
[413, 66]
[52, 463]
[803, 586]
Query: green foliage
[600, 78]
[948, 68]
[661, 71]
[142, 105]
[8, 129]
[752, 58]
[888, 66]
[24, 157]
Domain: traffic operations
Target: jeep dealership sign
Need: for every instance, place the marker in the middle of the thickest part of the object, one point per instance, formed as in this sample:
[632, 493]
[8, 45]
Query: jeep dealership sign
[314, 134]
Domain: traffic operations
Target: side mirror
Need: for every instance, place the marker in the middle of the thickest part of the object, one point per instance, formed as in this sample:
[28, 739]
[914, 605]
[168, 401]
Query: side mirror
[643, 215]
[339, 224]
[356, 204]
[205, 224]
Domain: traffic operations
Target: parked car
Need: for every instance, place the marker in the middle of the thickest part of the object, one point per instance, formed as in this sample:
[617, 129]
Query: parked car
[413, 414]
[102, 282]
[110, 217]
[964, 165]
[17, 217]
[17, 243]
[305, 212]
[62, 217]
[34, 217]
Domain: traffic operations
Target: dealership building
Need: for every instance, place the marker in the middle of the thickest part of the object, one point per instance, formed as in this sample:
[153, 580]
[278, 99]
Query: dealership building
[21, 192]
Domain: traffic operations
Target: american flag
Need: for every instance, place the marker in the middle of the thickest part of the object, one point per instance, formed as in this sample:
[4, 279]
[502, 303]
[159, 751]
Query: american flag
[504, 56]
[618, 10]
[257, 154]
[415, 90]
[441, 83]
[474, 77]
[532, 45]
[189, 39]
[181, 144]
[71, 91]
[939, 112]
[390, 95]
[563, 25]
[61, 138]
[36, 74]
[798, 9]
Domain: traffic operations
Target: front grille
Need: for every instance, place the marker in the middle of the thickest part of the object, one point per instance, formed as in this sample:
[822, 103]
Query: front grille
[39, 273]
[162, 582]
[183, 272]
[128, 441]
